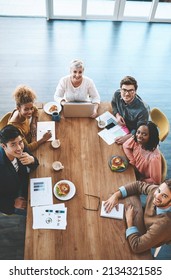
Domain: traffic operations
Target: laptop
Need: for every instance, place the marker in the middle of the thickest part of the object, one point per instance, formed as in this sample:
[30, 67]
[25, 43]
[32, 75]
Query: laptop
[78, 109]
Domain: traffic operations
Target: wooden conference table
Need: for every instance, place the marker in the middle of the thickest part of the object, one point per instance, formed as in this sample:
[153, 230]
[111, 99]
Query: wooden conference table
[85, 158]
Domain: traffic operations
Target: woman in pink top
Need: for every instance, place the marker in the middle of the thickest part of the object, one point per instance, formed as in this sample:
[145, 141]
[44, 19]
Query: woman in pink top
[143, 153]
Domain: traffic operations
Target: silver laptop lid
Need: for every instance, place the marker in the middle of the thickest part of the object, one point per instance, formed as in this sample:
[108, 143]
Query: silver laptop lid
[78, 109]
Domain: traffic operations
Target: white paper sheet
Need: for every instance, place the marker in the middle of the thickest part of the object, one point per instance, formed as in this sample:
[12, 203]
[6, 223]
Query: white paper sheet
[43, 127]
[107, 117]
[50, 217]
[109, 135]
[41, 191]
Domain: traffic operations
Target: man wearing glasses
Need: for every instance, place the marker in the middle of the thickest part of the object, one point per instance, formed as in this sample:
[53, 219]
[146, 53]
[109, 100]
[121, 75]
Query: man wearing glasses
[15, 164]
[128, 108]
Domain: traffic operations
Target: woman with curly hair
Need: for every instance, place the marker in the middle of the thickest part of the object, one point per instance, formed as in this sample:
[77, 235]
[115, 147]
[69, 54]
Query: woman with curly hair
[143, 153]
[25, 116]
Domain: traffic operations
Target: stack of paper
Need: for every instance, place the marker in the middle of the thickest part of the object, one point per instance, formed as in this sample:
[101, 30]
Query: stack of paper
[46, 215]
[109, 135]
[50, 217]
[116, 214]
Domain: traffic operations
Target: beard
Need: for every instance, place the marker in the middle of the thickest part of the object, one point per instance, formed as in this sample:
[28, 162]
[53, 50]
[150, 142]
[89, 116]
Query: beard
[161, 205]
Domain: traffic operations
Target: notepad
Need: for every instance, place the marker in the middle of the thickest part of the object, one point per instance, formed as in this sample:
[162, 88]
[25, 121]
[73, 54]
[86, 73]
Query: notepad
[115, 214]
[43, 127]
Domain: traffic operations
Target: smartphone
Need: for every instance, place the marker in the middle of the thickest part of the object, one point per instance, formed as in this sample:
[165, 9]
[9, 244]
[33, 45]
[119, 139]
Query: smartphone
[110, 125]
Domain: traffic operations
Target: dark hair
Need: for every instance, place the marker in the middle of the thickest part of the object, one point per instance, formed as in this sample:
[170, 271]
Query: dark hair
[9, 132]
[168, 183]
[128, 80]
[153, 141]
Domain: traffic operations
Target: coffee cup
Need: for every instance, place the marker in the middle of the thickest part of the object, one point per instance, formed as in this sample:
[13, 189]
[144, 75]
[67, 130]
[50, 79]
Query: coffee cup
[56, 143]
[57, 165]
[55, 116]
[101, 124]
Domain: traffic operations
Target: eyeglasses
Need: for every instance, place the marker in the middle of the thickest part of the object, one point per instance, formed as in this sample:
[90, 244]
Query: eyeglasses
[124, 90]
[98, 202]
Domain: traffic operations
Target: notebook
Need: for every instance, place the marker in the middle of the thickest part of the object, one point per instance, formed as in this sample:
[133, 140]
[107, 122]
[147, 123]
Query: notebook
[116, 214]
[78, 109]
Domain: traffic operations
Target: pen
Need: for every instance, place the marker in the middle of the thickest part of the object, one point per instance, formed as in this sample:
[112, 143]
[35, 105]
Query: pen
[48, 130]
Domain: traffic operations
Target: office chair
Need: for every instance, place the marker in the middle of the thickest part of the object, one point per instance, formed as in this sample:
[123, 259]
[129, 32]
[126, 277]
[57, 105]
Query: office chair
[162, 122]
[4, 120]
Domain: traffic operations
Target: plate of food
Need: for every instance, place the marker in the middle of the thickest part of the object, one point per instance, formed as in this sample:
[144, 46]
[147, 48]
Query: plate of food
[51, 107]
[118, 163]
[64, 190]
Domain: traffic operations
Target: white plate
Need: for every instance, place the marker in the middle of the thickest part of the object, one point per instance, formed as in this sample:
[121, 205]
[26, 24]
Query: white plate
[49, 104]
[71, 192]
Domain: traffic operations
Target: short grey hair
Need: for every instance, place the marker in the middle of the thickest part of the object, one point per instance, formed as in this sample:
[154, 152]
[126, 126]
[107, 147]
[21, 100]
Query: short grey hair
[76, 63]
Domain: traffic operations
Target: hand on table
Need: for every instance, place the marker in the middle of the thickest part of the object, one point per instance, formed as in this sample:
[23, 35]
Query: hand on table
[111, 202]
[94, 115]
[121, 139]
[129, 215]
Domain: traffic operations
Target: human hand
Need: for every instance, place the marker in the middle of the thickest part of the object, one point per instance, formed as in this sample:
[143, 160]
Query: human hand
[20, 203]
[33, 129]
[111, 202]
[94, 115]
[26, 159]
[129, 214]
[120, 120]
[47, 136]
[62, 102]
[121, 139]
[96, 106]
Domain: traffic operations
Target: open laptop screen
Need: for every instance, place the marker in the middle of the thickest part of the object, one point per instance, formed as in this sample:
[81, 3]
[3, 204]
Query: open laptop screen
[78, 109]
